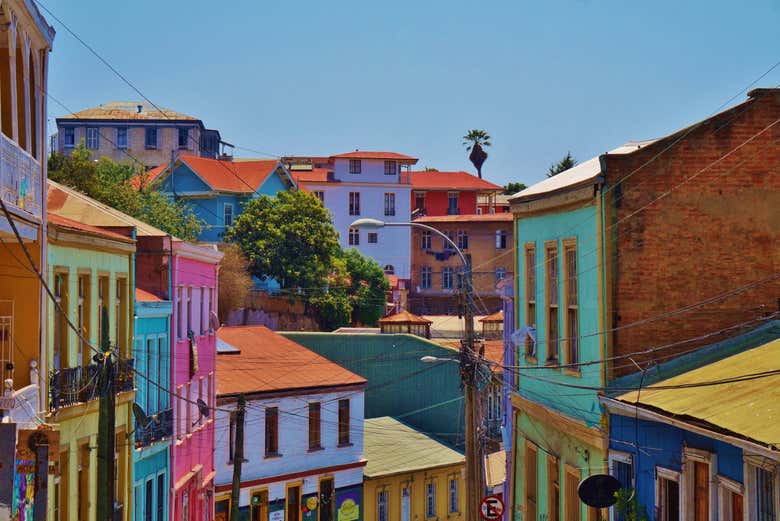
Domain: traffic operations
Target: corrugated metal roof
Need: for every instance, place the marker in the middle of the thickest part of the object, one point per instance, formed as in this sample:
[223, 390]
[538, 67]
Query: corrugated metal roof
[392, 447]
[748, 408]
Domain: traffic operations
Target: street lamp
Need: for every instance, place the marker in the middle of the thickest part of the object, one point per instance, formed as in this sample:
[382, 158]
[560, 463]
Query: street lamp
[475, 477]
[433, 359]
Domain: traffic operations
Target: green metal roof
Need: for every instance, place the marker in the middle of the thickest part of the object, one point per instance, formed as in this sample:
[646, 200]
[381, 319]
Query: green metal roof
[392, 447]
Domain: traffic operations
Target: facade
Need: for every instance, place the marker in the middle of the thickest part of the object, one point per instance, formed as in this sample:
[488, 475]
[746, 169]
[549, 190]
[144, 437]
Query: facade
[410, 475]
[218, 189]
[451, 193]
[123, 129]
[486, 239]
[684, 453]
[359, 185]
[152, 443]
[303, 443]
[90, 271]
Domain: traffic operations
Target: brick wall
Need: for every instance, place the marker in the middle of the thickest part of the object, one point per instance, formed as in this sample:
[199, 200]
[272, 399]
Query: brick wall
[712, 234]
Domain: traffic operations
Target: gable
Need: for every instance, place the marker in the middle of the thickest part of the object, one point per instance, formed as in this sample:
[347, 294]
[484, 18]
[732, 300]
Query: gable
[274, 183]
[185, 179]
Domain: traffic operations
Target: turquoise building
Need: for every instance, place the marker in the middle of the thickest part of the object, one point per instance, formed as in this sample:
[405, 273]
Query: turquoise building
[151, 454]
[218, 189]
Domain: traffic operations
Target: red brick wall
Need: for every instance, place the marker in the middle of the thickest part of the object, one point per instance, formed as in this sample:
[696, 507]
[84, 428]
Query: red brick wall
[712, 234]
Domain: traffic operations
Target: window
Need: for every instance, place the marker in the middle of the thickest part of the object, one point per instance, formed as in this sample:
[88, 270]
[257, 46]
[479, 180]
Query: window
[699, 477]
[354, 237]
[232, 441]
[228, 212]
[319, 194]
[731, 496]
[188, 303]
[344, 422]
[354, 203]
[381, 503]
[222, 508]
[501, 239]
[554, 489]
[463, 240]
[69, 137]
[425, 277]
[258, 506]
[149, 500]
[452, 203]
[419, 202]
[83, 318]
[453, 495]
[162, 497]
[82, 492]
[551, 267]
[389, 203]
[500, 274]
[204, 310]
[425, 240]
[162, 366]
[93, 138]
[60, 323]
[761, 486]
[271, 431]
[406, 503]
[391, 167]
[150, 139]
[314, 426]
[530, 296]
[530, 481]
[621, 467]
[447, 245]
[354, 166]
[572, 351]
[146, 386]
[293, 512]
[571, 499]
[121, 137]
[121, 314]
[184, 137]
[62, 486]
[446, 278]
[373, 238]
[430, 499]
[667, 494]
[389, 269]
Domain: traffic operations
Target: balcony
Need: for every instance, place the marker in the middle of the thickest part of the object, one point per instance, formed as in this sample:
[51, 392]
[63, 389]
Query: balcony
[20, 179]
[76, 385]
[160, 428]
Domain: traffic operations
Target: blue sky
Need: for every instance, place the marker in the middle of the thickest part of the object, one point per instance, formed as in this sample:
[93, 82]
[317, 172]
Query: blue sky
[290, 77]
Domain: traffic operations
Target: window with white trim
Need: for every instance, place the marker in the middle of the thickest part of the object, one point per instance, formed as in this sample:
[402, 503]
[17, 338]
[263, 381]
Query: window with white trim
[354, 166]
[425, 242]
[501, 239]
[446, 278]
[381, 505]
[430, 499]
[761, 485]
[699, 492]
[389, 203]
[353, 237]
[391, 167]
[453, 495]
[93, 138]
[667, 494]
[621, 466]
[730, 499]
[373, 237]
[354, 203]
[425, 277]
[463, 240]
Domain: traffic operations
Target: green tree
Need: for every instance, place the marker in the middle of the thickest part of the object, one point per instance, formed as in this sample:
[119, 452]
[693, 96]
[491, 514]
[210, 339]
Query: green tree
[235, 283]
[368, 287]
[564, 164]
[333, 309]
[513, 187]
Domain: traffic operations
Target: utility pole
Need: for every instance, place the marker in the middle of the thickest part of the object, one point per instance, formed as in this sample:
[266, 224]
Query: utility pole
[238, 457]
[106, 427]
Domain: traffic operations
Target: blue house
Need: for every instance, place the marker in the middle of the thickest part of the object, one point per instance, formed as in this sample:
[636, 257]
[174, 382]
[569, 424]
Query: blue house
[702, 443]
[151, 457]
[217, 189]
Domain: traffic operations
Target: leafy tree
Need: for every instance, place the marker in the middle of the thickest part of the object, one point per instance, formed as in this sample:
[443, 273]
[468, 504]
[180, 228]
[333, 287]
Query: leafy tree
[333, 308]
[475, 140]
[564, 164]
[368, 287]
[513, 187]
[235, 283]
[628, 505]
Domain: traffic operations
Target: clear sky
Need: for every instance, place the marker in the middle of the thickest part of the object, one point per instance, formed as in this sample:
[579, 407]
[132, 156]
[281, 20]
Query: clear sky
[318, 78]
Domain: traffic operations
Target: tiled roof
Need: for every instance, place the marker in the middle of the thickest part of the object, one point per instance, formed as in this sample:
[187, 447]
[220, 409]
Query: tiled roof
[144, 296]
[128, 110]
[225, 176]
[450, 181]
[494, 349]
[404, 317]
[363, 154]
[498, 316]
[315, 175]
[69, 224]
[465, 218]
[270, 362]
[392, 447]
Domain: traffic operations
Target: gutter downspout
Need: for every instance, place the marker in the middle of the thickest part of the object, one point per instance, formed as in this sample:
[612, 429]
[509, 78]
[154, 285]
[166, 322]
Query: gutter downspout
[603, 317]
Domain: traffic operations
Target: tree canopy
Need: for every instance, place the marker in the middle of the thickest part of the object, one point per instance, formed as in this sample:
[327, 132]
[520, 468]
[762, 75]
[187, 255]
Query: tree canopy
[111, 184]
[564, 164]
[513, 187]
[476, 137]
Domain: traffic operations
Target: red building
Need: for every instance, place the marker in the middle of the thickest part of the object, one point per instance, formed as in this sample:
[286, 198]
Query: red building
[450, 193]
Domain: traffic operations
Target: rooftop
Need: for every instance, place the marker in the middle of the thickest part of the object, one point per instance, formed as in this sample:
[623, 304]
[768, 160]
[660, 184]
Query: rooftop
[459, 180]
[364, 154]
[69, 224]
[498, 316]
[224, 176]
[494, 349]
[404, 317]
[467, 218]
[128, 110]
[145, 296]
[262, 360]
[392, 447]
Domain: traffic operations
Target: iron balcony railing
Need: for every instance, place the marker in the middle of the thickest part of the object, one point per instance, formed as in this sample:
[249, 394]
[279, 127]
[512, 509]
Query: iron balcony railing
[159, 428]
[75, 385]
[20, 178]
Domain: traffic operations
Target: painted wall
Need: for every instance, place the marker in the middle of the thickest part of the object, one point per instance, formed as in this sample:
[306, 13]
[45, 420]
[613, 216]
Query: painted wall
[151, 465]
[425, 396]
[371, 171]
[437, 201]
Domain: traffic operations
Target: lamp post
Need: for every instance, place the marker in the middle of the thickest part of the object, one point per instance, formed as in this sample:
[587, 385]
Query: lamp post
[475, 477]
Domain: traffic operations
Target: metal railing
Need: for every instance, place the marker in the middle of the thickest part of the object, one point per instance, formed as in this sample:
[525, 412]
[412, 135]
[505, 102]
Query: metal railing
[159, 428]
[75, 385]
[20, 178]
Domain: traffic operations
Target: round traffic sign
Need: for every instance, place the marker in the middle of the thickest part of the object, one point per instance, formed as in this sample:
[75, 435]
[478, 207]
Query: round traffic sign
[492, 507]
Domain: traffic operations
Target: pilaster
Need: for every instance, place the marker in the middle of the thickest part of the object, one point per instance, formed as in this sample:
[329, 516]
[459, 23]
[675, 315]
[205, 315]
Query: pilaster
[26, 79]
[12, 28]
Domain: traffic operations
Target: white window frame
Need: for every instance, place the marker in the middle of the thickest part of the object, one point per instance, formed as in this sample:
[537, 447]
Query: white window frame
[382, 501]
[426, 282]
[430, 500]
[622, 457]
[669, 475]
[689, 457]
[355, 166]
[92, 142]
[452, 494]
[749, 500]
[727, 487]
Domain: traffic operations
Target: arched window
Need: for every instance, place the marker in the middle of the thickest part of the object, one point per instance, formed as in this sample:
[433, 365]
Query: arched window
[389, 269]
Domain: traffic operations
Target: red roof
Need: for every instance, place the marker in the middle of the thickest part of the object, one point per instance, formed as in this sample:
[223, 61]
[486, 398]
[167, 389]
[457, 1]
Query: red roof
[315, 175]
[225, 176]
[485, 217]
[144, 296]
[404, 317]
[270, 362]
[497, 317]
[69, 224]
[362, 154]
[450, 181]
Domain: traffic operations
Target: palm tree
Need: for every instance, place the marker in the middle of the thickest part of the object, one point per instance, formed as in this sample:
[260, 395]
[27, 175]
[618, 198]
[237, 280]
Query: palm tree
[475, 140]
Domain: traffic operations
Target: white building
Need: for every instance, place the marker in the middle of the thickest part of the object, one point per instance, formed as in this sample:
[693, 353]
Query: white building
[362, 184]
[303, 429]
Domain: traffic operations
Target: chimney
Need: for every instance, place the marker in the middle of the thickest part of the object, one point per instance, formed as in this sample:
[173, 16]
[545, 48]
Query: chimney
[139, 107]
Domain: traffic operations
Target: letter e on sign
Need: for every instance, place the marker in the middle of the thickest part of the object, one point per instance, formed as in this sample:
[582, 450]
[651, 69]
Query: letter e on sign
[492, 507]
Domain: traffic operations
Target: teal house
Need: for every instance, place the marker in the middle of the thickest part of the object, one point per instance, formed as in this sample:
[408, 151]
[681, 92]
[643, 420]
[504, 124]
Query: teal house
[217, 189]
[151, 454]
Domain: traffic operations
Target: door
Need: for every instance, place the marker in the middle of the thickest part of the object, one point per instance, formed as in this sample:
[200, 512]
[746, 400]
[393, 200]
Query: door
[259, 506]
[701, 491]
[293, 503]
[326, 500]
[406, 503]
[736, 507]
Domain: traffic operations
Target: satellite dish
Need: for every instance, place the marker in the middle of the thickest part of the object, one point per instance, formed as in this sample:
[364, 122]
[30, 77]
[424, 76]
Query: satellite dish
[141, 419]
[203, 408]
[599, 490]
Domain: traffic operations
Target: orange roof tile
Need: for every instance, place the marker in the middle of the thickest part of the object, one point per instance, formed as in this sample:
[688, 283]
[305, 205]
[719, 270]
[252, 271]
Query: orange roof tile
[494, 349]
[362, 154]
[128, 110]
[69, 224]
[144, 296]
[315, 175]
[485, 217]
[498, 316]
[224, 176]
[404, 317]
[450, 181]
[270, 362]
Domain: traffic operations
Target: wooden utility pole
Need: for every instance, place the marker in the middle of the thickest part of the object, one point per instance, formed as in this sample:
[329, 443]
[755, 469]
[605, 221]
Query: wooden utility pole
[238, 457]
[106, 428]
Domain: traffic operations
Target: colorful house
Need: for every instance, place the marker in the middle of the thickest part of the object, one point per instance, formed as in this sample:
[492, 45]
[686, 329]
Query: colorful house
[217, 189]
[451, 193]
[152, 442]
[410, 475]
[303, 430]
[690, 450]
[90, 271]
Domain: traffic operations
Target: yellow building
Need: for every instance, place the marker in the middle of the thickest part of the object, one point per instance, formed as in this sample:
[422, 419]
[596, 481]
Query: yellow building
[410, 476]
[90, 269]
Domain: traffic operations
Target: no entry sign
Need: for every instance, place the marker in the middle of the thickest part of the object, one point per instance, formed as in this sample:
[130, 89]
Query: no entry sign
[492, 507]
